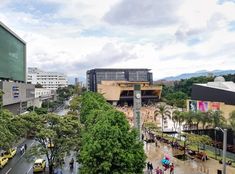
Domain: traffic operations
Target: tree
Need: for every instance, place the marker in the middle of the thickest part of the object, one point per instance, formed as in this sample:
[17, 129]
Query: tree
[177, 118]
[177, 99]
[189, 118]
[217, 118]
[56, 136]
[75, 103]
[91, 101]
[164, 111]
[232, 123]
[110, 146]
[206, 119]
[8, 131]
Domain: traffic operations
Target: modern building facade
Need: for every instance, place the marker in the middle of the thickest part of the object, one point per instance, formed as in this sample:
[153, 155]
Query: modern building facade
[217, 95]
[12, 55]
[96, 76]
[49, 80]
[117, 85]
[17, 93]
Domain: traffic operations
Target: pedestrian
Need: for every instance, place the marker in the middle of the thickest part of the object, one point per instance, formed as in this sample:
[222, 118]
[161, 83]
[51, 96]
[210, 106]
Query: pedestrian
[71, 163]
[25, 146]
[22, 149]
[172, 168]
[151, 168]
[148, 166]
[157, 170]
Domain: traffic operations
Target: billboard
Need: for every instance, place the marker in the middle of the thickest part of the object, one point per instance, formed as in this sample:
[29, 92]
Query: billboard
[192, 105]
[203, 106]
[215, 106]
[12, 56]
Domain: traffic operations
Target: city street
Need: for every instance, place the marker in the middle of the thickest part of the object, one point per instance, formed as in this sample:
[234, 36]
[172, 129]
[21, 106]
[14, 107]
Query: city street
[19, 165]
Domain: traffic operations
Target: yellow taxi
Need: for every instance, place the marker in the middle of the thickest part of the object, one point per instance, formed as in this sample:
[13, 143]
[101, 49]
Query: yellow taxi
[3, 161]
[10, 153]
[39, 165]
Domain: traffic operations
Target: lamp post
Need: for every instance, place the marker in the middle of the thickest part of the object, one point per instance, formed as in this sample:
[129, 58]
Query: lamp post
[215, 144]
[224, 147]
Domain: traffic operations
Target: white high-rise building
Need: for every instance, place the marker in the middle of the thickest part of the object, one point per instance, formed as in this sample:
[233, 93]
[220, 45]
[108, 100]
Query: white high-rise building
[49, 80]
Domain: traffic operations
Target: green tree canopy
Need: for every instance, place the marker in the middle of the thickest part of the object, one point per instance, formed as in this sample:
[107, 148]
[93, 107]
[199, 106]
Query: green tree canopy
[109, 145]
[56, 135]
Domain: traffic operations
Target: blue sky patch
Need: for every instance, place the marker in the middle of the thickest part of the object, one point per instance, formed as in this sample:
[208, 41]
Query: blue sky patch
[36, 8]
[231, 26]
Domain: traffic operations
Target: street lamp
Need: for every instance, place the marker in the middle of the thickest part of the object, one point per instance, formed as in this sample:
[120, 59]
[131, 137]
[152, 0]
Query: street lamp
[224, 147]
[215, 144]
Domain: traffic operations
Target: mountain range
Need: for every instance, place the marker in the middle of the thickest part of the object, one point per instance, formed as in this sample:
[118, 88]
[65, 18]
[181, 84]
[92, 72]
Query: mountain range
[199, 73]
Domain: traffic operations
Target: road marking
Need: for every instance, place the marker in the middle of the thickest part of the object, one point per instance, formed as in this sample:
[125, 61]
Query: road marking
[8, 171]
[29, 169]
[32, 143]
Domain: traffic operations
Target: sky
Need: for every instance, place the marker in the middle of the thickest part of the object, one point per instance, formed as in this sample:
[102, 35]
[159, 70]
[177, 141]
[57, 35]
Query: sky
[170, 37]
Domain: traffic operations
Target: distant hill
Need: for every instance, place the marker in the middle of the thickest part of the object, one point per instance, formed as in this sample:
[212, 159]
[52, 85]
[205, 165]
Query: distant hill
[199, 73]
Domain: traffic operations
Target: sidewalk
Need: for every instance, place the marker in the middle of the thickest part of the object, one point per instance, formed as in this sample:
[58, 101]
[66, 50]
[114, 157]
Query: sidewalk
[155, 155]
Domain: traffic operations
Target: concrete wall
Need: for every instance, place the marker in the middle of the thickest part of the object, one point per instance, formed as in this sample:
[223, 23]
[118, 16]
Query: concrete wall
[16, 92]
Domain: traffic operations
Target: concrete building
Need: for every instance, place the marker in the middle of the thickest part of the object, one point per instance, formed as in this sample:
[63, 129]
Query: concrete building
[117, 85]
[96, 76]
[217, 95]
[49, 80]
[40, 95]
[17, 93]
[16, 96]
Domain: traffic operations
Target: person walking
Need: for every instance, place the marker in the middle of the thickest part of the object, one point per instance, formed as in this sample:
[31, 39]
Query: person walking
[148, 166]
[172, 167]
[151, 168]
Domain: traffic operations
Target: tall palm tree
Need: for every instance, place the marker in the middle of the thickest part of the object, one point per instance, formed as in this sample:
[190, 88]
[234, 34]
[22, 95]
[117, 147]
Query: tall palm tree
[217, 118]
[189, 118]
[206, 119]
[197, 118]
[162, 110]
[175, 118]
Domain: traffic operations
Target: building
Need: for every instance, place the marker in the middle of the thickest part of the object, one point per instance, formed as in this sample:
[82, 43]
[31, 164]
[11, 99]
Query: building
[117, 85]
[12, 55]
[217, 95]
[17, 93]
[49, 80]
[42, 95]
[95, 76]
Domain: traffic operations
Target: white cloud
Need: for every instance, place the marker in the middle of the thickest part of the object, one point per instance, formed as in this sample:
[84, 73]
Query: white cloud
[170, 37]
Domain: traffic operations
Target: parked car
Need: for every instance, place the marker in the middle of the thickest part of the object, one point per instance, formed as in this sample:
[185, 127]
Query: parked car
[3, 161]
[10, 153]
[39, 165]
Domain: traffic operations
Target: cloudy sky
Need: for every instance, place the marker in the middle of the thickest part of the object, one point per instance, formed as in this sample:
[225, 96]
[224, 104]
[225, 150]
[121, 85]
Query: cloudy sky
[168, 36]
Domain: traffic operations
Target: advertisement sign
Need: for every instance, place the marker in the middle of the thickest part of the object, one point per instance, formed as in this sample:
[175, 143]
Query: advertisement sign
[192, 105]
[203, 106]
[215, 106]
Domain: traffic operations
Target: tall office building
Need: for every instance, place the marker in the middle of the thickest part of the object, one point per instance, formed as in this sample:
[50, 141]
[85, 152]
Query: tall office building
[17, 93]
[96, 76]
[49, 80]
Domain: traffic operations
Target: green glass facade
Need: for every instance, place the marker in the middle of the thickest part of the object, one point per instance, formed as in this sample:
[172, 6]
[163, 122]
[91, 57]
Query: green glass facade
[12, 56]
